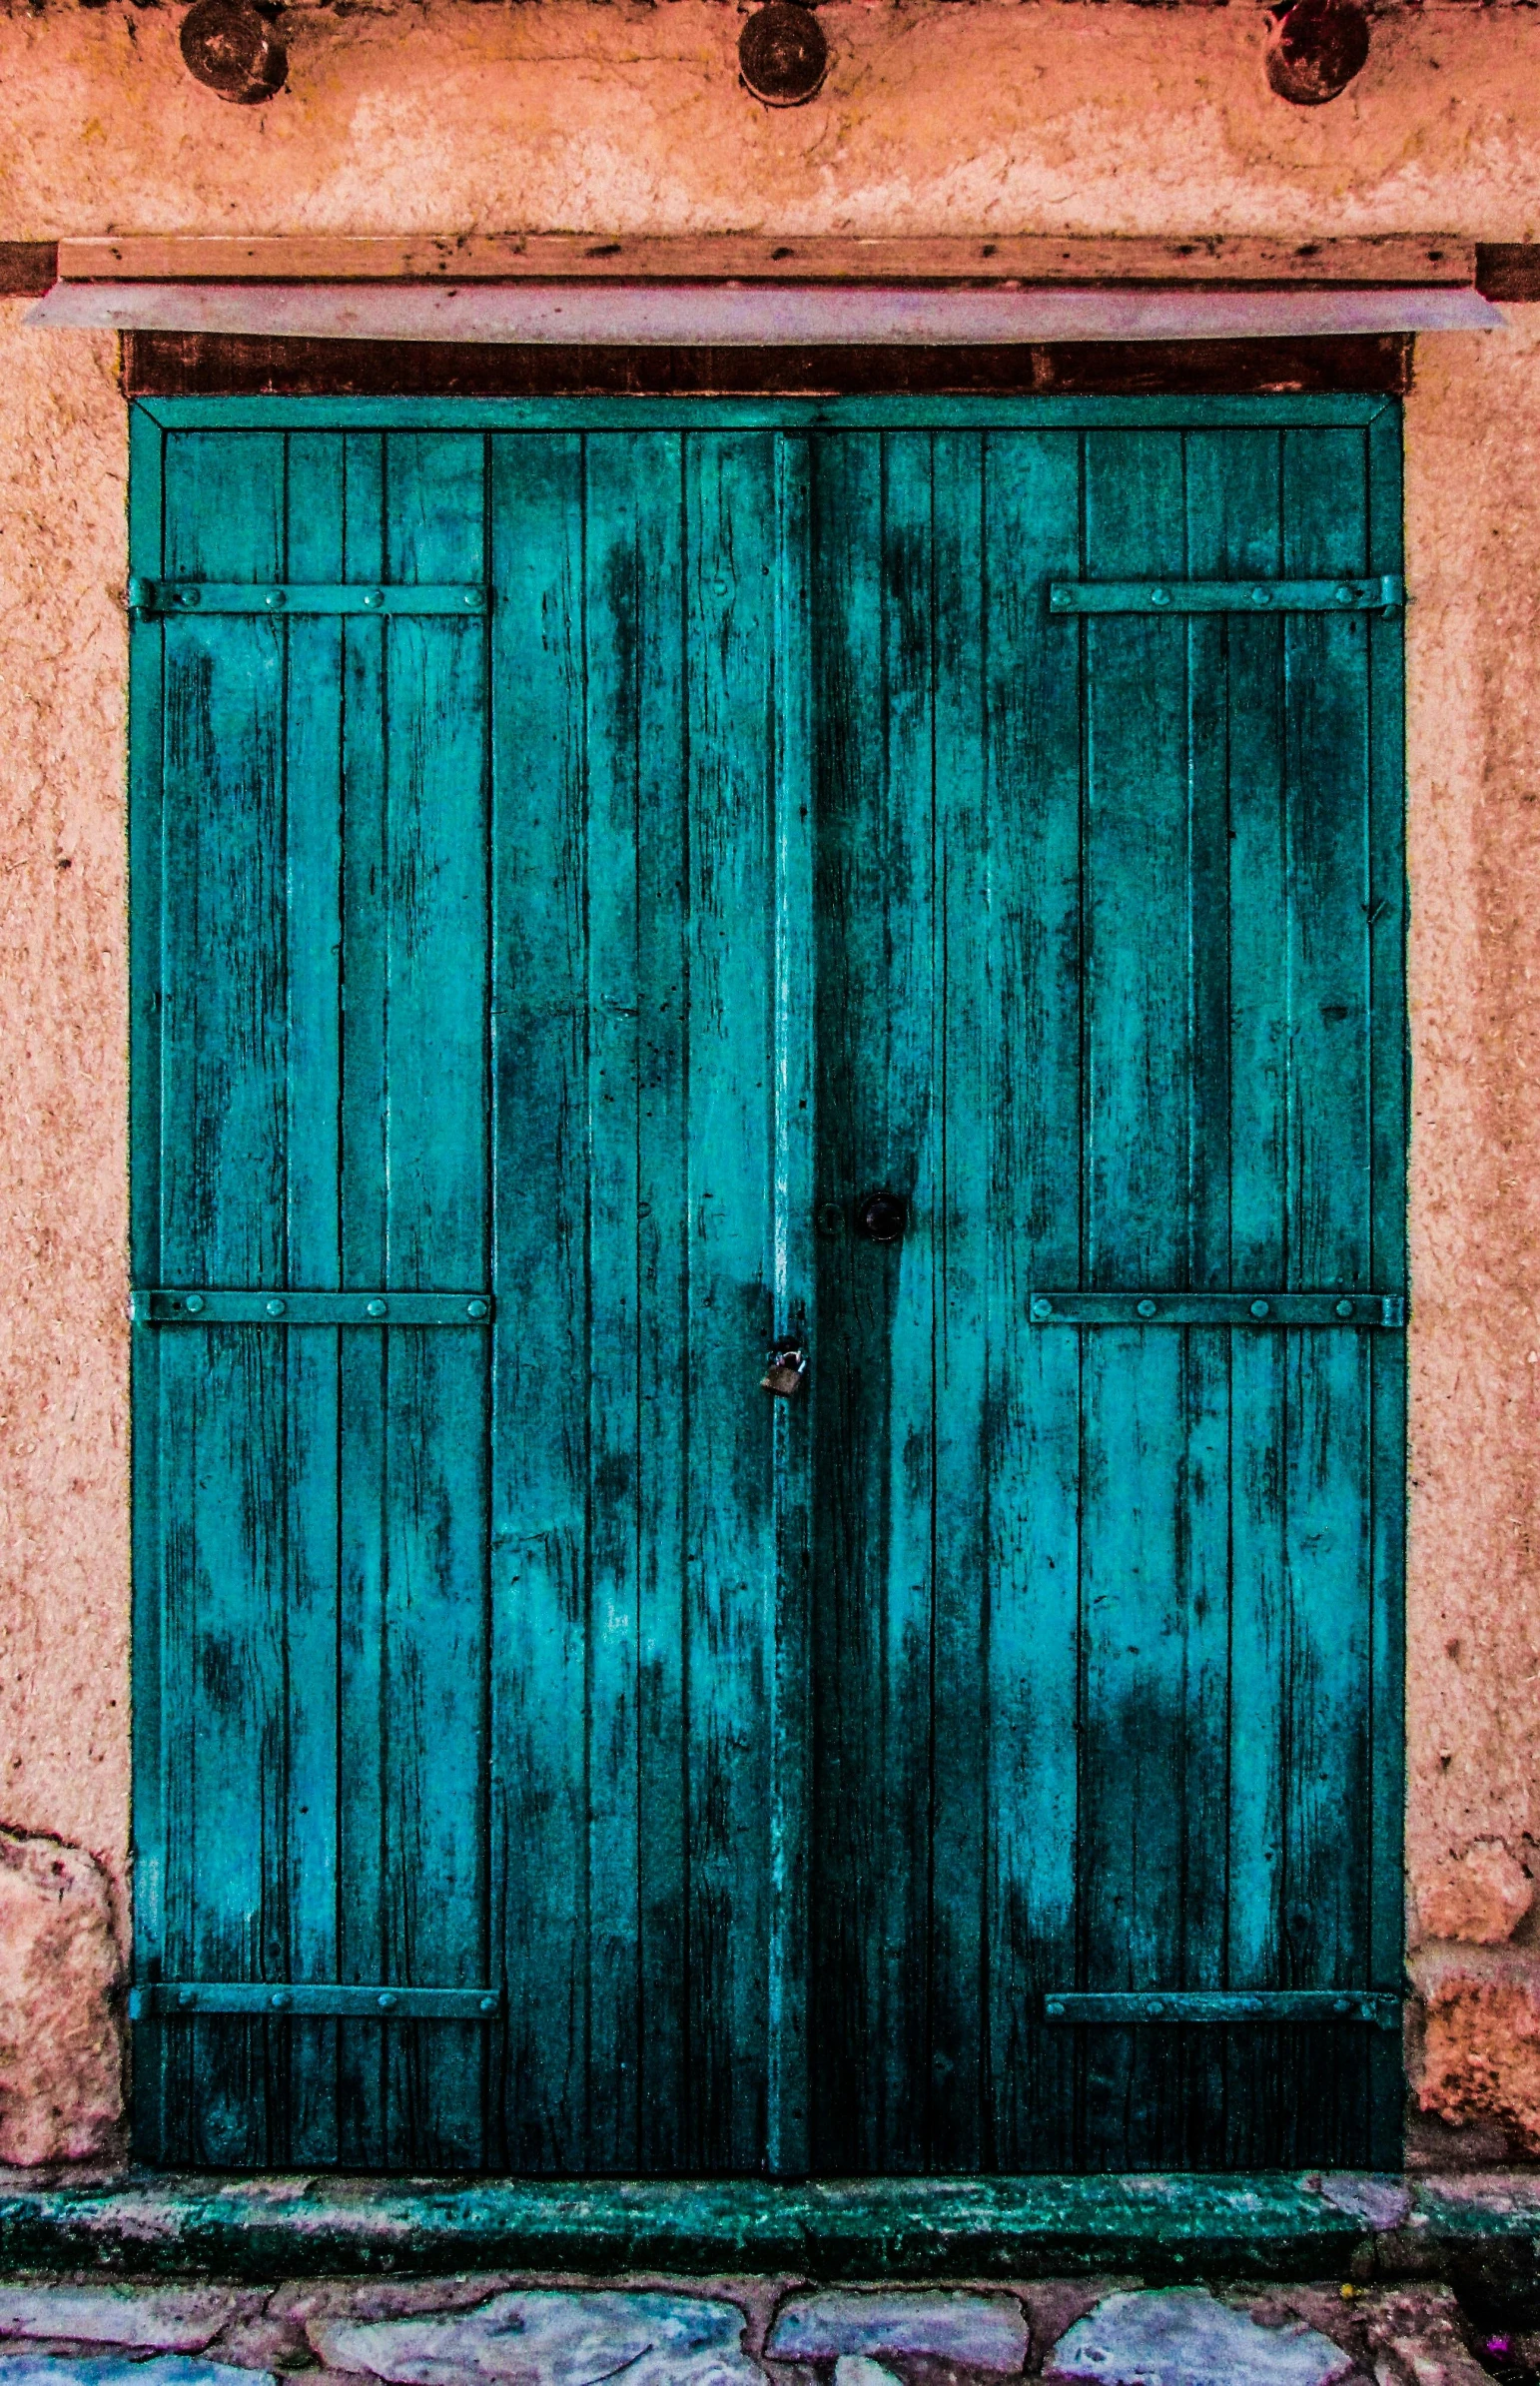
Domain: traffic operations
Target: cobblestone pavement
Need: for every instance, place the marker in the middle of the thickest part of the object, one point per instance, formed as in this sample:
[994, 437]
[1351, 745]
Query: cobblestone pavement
[500, 2331]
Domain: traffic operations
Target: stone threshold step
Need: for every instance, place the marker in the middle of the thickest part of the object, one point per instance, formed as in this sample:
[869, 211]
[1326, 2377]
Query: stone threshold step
[1482, 2226]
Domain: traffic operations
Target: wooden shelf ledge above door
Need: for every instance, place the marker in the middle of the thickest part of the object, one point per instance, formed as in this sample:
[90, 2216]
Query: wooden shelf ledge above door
[725, 291]
[1239, 262]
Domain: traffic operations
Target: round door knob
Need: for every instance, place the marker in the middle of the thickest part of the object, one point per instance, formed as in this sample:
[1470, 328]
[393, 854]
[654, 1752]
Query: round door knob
[882, 1217]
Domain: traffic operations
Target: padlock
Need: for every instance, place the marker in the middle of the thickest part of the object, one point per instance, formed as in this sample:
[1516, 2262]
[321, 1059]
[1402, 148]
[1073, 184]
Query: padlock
[783, 1376]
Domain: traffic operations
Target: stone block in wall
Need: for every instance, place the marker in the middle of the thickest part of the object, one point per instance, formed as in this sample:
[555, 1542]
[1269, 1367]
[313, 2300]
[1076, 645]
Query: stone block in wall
[1480, 1896]
[1479, 2057]
[61, 2054]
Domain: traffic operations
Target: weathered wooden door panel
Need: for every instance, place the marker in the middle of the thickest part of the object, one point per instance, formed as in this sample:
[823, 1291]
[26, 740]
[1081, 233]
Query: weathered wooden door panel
[1109, 965]
[760, 841]
[466, 1641]
[321, 1494]
[642, 791]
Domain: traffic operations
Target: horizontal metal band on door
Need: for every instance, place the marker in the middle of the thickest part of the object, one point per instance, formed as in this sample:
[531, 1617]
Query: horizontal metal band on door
[1380, 2007]
[300, 596]
[1385, 593]
[161, 2000]
[213, 1307]
[1218, 1308]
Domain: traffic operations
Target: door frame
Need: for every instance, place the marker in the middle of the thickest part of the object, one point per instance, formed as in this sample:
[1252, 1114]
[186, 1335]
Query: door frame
[152, 418]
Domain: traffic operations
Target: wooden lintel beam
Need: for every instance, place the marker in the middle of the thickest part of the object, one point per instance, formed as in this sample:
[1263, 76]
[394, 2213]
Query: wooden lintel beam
[1235, 261]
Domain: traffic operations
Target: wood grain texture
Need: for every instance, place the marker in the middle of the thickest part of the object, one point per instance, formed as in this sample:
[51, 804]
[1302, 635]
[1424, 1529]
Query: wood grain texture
[769, 844]
[193, 364]
[1238, 260]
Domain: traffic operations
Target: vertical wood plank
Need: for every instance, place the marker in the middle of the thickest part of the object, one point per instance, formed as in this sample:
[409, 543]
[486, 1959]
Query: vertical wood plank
[1327, 1545]
[540, 1386]
[636, 1367]
[903, 1066]
[434, 927]
[968, 1087]
[361, 1358]
[1148, 1496]
[222, 1423]
[730, 529]
[1032, 529]
[313, 730]
[1236, 518]
[1388, 1130]
[846, 1965]
[793, 1422]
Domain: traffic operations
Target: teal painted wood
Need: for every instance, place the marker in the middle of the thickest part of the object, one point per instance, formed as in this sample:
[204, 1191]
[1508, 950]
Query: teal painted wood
[1031, 492]
[1389, 1120]
[638, 1346]
[909, 413]
[962, 1463]
[730, 527]
[314, 818]
[794, 1321]
[222, 1215]
[362, 1131]
[435, 1200]
[768, 842]
[539, 1017]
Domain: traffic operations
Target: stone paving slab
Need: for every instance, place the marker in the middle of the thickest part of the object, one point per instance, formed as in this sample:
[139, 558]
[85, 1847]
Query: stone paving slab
[168, 2319]
[1184, 2337]
[488, 2330]
[95, 2369]
[545, 2338]
[985, 2332]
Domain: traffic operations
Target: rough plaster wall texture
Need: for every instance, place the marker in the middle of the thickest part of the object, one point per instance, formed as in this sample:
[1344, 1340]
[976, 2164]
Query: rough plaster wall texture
[1473, 566]
[441, 117]
[63, 994]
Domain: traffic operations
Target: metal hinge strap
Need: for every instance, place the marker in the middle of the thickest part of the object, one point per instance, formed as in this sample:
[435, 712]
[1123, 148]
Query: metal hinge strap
[1384, 593]
[301, 596]
[212, 1306]
[1382, 2008]
[1218, 1308]
[382, 2001]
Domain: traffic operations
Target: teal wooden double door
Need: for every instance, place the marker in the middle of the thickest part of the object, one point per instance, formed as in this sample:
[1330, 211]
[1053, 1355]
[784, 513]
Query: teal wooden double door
[900, 898]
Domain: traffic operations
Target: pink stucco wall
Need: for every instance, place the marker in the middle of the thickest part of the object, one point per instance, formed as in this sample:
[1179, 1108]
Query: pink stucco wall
[450, 118]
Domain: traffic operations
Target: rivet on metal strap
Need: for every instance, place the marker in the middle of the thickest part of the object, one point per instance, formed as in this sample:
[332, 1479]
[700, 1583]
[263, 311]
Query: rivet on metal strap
[387, 2004]
[1043, 1308]
[275, 1308]
[375, 1308]
[1160, 596]
[1344, 1309]
[476, 1308]
[279, 1999]
[193, 1303]
[276, 598]
[373, 598]
[1262, 596]
[1347, 595]
[1146, 1309]
[489, 2004]
[1258, 1309]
